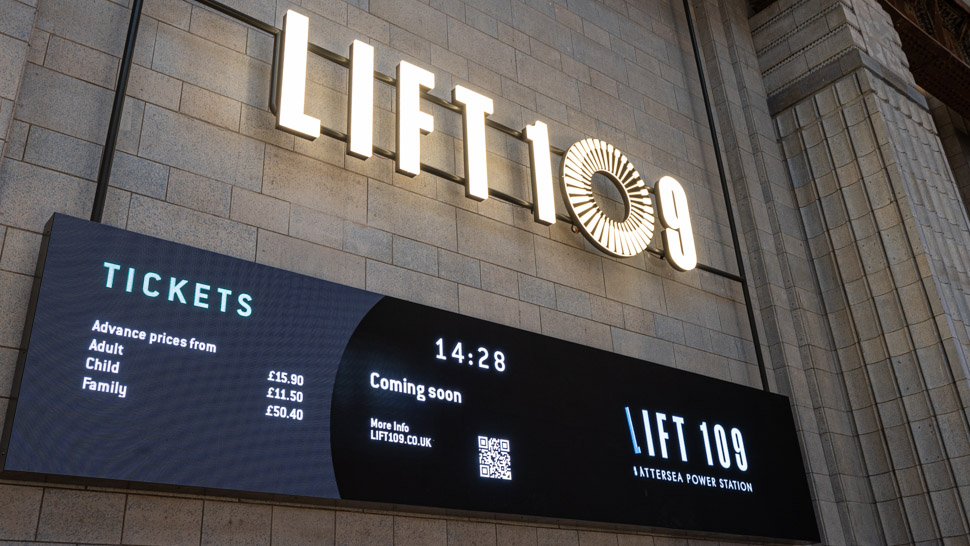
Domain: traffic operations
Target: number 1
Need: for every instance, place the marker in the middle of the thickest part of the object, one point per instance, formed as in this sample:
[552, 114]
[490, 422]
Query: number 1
[707, 444]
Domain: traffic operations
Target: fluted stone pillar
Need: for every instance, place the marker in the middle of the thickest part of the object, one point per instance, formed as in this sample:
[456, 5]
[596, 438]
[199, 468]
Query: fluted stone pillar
[889, 240]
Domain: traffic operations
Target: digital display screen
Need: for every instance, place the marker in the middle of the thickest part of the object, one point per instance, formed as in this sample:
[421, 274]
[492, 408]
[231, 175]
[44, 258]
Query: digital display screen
[151, 361]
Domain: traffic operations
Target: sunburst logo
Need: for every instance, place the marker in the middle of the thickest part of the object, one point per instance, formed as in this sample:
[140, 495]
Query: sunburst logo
[622, 238]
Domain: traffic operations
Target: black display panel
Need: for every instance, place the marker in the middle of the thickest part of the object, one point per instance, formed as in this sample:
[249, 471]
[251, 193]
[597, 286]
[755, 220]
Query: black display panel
[150, 361]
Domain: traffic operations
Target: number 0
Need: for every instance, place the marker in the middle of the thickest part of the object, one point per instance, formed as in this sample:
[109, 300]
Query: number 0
[678, 233]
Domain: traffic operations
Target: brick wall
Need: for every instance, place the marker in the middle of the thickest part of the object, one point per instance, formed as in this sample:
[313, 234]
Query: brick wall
[200, 161]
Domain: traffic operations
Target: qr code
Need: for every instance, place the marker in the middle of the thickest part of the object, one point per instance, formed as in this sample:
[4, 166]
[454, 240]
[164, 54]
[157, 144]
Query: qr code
[494, 460]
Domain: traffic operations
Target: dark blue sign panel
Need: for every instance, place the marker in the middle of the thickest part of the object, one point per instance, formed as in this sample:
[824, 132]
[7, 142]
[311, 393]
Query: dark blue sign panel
[150, 361]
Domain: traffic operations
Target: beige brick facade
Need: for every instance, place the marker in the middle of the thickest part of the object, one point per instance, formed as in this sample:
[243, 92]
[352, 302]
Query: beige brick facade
[854, 233]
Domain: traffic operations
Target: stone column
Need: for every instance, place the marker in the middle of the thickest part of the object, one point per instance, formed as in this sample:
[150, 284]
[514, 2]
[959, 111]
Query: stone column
[955, 137]
[889, 242]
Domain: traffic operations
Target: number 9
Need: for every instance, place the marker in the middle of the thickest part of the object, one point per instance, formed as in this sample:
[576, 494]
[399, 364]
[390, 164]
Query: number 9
[678, 233]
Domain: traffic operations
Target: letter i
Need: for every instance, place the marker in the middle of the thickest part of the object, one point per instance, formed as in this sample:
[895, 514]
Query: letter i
[646, 429]
[360, 122]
